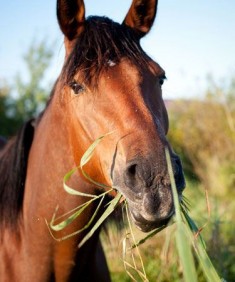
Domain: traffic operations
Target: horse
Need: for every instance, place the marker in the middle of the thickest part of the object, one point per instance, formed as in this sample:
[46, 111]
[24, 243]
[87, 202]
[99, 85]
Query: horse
[108, 84]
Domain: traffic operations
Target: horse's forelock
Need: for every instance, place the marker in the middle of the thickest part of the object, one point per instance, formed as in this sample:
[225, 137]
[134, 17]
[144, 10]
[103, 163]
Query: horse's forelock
[102, 41]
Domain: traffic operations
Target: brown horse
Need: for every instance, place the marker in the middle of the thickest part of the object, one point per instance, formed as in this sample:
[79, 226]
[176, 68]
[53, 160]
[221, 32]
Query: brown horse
[108, 84]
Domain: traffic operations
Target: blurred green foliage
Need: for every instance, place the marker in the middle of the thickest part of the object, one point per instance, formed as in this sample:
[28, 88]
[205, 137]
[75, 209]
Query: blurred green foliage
[24, 99]
[203, 133]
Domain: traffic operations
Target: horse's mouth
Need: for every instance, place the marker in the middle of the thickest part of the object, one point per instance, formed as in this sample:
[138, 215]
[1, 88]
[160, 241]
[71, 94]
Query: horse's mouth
[153, 209]
[150, 203]
[147, 220]
[145, 225]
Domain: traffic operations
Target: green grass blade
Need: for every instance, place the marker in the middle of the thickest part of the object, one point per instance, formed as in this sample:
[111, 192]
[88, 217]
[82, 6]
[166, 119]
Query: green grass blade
[151, 234]
[206, 264]
[193, 227]
[72, 191]
[200, 250]
[173, 187]
[89, 152]
[185, 253]
[69, 220]
[142, 273]
[94, 182]
[182, 238]
[107, 212]
[84, 160]
[84, 227]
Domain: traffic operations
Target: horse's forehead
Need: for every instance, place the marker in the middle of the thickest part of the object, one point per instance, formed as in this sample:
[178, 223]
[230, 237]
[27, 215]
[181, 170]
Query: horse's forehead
[127, 73]
[122, 76]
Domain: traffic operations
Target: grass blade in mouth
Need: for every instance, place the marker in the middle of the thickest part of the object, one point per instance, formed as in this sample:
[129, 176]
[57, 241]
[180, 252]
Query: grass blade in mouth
[185, 239]
[188, 237]
[151, 234]
[182, 238]
[111, 207]
[79, 210]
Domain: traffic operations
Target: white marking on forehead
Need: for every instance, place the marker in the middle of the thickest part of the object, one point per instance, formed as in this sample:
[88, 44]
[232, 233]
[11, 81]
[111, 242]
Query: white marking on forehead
[111, 63]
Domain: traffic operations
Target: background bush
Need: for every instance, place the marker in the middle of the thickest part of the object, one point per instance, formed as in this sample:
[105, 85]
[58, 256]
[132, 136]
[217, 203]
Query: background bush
[203, 133]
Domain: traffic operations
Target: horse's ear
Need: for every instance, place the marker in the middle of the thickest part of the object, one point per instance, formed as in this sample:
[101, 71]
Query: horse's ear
[71, 17]
[141, 15]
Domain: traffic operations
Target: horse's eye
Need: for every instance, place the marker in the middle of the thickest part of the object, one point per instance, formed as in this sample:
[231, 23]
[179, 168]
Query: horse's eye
[162, 79]
[77, 88]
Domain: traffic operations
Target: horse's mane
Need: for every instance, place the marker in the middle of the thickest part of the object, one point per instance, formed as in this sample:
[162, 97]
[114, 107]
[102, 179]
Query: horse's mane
[102, 41]
[13, 166]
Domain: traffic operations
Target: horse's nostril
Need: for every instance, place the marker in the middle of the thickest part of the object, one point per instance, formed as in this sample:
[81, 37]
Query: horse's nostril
[130, 176]
[137, 174]
[131, 170]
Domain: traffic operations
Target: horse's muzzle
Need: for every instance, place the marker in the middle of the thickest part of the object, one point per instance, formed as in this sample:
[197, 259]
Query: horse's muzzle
[147, 189]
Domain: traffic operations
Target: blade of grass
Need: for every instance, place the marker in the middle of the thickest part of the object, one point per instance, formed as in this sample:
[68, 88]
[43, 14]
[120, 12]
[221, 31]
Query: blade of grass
[107, 212]
[84, 160]
[70, 190]
[193, 227]
[89, 152]
[133, 267]
[80, 230]
[151, 234]
[69, 220]
[186, 232]
[182, 240]
[142, 273]
[200, 250]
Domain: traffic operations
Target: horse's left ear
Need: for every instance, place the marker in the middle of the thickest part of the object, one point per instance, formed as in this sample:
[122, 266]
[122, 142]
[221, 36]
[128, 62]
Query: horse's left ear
[71, 17]
[141, 15]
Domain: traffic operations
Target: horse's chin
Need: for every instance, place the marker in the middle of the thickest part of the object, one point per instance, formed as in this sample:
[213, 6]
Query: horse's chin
[148, 225]
[152, 209]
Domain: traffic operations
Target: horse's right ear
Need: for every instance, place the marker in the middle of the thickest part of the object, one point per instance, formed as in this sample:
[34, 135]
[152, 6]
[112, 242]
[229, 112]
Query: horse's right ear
[141, 15]
[71, 17]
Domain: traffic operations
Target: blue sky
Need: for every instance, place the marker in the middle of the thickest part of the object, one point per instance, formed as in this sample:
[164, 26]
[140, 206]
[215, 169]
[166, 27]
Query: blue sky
[190, 39]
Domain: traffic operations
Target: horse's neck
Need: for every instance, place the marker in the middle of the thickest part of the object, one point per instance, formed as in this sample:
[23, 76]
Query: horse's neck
[49, 160]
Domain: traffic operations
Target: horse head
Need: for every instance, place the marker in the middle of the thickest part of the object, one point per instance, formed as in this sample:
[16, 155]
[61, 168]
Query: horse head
[109, 84]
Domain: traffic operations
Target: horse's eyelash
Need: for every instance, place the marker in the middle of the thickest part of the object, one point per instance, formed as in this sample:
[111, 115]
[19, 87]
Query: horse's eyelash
[77, 87]
[162, 78]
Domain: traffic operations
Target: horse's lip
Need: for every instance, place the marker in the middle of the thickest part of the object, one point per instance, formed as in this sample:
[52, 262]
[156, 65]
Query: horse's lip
[135, 202]
[147, 226]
